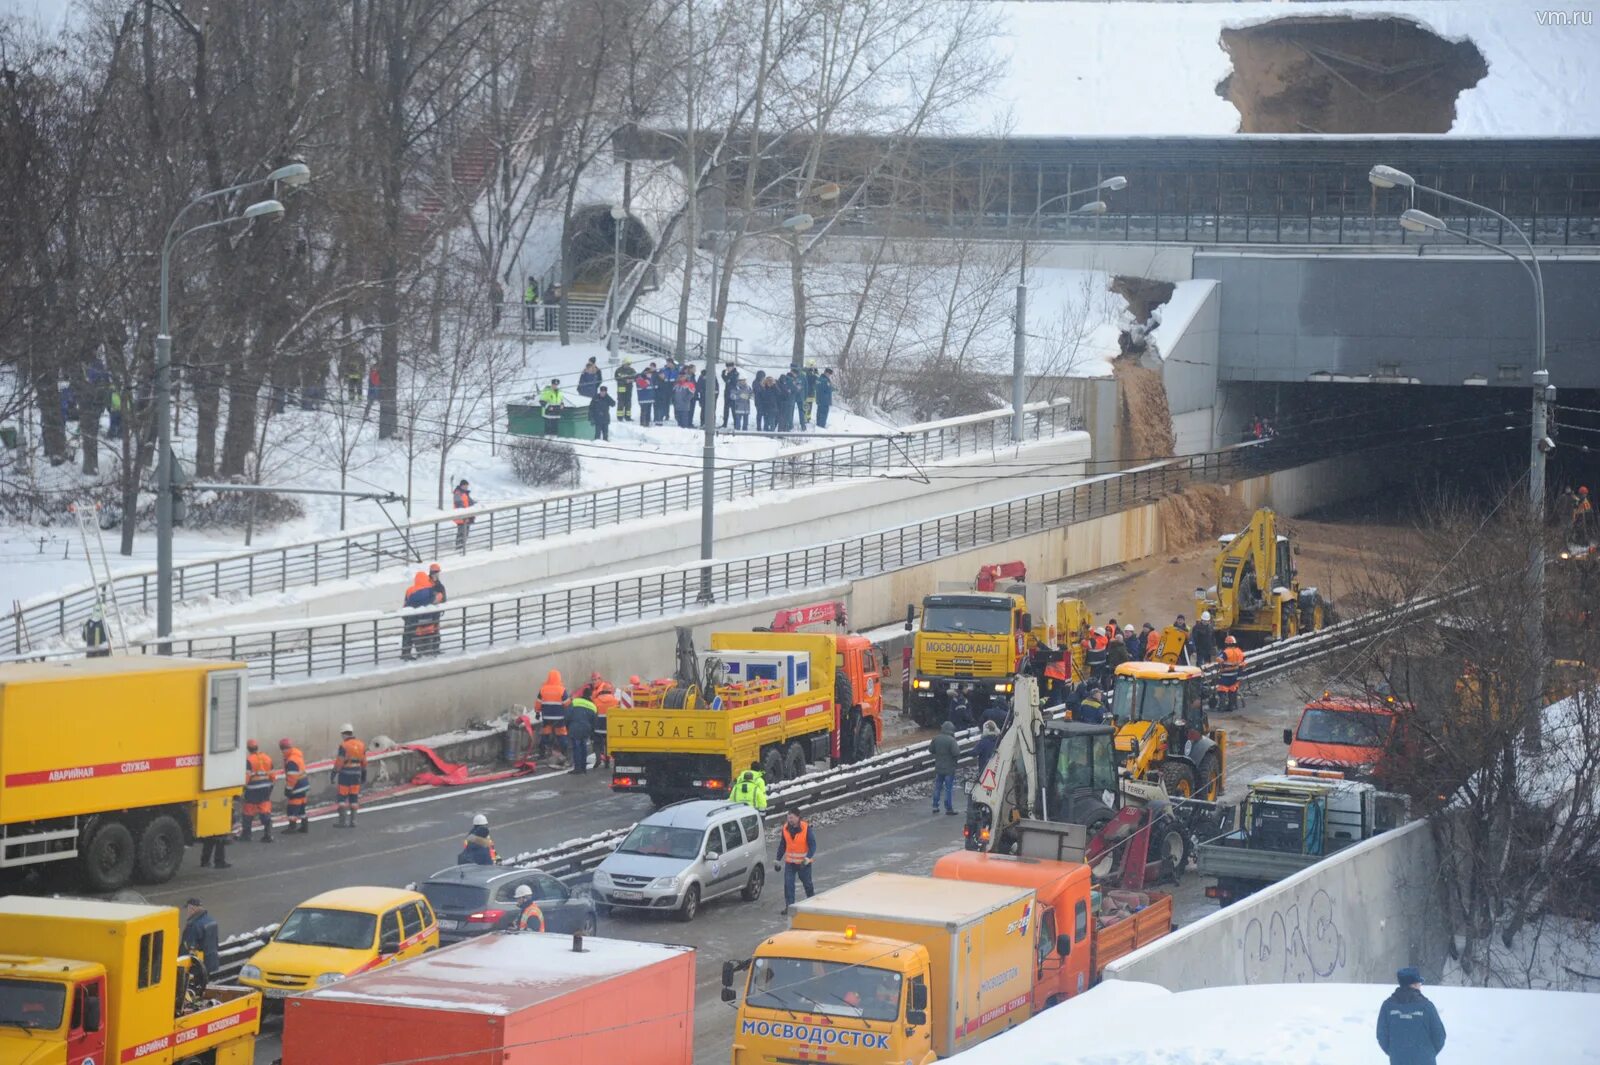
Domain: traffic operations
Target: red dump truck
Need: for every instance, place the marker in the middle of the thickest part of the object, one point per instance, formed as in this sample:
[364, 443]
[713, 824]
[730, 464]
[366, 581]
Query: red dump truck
[506, 998]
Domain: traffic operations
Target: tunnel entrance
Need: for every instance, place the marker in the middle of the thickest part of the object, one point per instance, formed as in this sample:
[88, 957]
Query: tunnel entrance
[1346, 75]
[592, 249]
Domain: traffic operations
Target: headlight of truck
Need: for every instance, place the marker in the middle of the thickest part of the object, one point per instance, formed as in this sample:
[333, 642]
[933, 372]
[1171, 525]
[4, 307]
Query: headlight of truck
[922, 685]
[1002, 687]
[250, 972]
[329, 978]
[666, 883]
[1291, 763]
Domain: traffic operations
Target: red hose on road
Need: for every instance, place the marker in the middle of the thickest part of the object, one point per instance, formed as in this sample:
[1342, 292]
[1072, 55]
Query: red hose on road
[453, 775]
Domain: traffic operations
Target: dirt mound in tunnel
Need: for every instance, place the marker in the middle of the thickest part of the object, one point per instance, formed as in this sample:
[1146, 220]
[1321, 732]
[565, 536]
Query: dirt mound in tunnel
[1199, 514]
[1144, 432]
[1346, 75]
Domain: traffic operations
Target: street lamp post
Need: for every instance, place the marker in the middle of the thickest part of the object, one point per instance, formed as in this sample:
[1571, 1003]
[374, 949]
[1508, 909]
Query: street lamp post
[619, 214]
[794, 224]
[293, 175]
[1388, 177]
[1019, 321]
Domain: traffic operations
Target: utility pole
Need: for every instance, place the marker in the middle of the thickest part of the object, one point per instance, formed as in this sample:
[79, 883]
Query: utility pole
[1019, 351]
[708, 456]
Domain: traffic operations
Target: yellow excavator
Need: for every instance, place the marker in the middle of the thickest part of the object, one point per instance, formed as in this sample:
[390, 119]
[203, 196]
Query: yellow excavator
[1257, 596]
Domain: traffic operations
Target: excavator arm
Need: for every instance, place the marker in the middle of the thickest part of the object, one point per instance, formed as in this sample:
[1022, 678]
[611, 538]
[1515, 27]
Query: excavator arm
[1006, 788]
[1246, 571]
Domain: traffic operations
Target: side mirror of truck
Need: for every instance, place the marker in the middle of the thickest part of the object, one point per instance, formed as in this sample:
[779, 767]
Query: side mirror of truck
[911, 616]
[727, 976]
[91, 1013]
[1288, 735]
[729, 995]
[1027, 621]
[1063, 945]
[919, 1001]
[916, 1018]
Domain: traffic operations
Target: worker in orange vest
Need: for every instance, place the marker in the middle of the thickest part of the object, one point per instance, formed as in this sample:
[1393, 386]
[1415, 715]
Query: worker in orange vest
[1095, 646]
[1228, 674]
[797, 847]
[418, 582]
[553, 699]
[296, 785]
[604, 696]
[258, 778]
[349, 772]
[531, 918]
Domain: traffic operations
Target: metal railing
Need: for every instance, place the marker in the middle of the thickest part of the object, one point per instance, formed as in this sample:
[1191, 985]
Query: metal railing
[276, 569]
[353, 643]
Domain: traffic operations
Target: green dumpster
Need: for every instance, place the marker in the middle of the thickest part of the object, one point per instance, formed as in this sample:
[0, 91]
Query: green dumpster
[526, 419]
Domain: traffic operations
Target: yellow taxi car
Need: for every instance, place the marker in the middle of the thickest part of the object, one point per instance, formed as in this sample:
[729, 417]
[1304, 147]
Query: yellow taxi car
[338, 934]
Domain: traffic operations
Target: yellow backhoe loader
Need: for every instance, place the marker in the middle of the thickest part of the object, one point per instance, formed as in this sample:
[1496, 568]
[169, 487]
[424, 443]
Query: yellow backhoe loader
[1257, 596]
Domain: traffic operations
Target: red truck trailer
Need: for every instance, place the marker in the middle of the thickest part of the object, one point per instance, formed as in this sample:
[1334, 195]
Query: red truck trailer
[502, 999]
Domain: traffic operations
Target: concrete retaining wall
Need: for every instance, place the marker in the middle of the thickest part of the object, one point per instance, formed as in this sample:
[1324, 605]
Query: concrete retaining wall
[430, 697]
[1353, 918]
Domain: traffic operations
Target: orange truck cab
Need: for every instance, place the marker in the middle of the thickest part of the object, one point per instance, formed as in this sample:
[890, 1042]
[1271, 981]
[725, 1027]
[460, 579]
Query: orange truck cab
[1348, 737]
[1069, 916]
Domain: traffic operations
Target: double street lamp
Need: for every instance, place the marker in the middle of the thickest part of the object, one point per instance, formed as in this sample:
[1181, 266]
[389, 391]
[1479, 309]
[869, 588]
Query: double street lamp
[1417, 221]
[1019, 338]
[293, 175]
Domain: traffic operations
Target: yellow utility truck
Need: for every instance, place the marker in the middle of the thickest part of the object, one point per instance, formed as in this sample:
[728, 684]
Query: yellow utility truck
[783, 699]
[890, 969]
[980, 636]
[114, 764]
[87, 983]
[1257, 596]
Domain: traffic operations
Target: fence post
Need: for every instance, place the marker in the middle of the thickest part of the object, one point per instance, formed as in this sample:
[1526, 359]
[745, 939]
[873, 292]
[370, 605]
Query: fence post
[272, 656]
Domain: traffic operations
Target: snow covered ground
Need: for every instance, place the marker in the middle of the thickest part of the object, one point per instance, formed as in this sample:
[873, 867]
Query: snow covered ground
[42, 560]
[1122, 1023]
[1120, 69]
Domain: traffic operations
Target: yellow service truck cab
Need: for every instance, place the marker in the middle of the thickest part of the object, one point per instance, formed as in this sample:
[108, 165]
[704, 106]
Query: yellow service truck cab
[112, 765]
[86, 983]
[889, 969]
[340, 933]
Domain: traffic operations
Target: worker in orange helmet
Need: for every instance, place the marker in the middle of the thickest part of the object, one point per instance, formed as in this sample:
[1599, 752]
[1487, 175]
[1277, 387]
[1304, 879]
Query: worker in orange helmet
[258, 778]
[553, 701]
[296, 785]
[1228, 674]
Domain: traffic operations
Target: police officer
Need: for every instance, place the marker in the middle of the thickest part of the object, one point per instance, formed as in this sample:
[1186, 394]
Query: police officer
[349, 772]
[531, 919]
[750, 788]
[797, 847]
[257, 792]
[296, 785]
[94, 635]
[478, 848]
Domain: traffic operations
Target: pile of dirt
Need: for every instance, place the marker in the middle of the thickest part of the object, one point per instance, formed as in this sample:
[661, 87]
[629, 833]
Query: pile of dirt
[1143, 294]
[1346, 75]
[1144, 432]
[1198, 515]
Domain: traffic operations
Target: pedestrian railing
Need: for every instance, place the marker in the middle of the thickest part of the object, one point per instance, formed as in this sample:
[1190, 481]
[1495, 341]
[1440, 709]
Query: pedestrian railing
[335, 646]
[508, 525]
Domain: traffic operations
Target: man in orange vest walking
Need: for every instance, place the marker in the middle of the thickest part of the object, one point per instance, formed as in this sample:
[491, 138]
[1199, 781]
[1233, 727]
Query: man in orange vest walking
[349, 773]
[257, 792]
[797, 846]
[296, 785]
[461, 496]
[1228, 675]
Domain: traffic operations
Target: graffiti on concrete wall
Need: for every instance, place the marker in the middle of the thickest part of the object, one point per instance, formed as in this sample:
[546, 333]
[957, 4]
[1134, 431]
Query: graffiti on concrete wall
[1294, 944]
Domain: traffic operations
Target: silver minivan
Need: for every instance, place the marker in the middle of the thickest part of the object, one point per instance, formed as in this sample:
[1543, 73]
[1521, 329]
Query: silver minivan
[684, 855]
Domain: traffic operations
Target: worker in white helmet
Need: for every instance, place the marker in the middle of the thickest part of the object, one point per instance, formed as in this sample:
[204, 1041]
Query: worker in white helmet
[531, 918]
[349, 773]
[1203, 639]
[478, 848]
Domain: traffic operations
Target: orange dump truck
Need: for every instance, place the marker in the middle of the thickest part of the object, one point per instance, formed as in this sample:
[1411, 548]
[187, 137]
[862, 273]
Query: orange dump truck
[502, 999]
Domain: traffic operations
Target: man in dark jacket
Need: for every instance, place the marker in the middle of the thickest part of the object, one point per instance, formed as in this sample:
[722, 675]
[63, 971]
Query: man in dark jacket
[589, 379]
[824, 397]
[785, 408]
[1091, 711]
[988, 743]
[625, 378]
[478, 848]
[200, 934]
[683, 399]
[1203, 640]
[665, 378]
[582, 717]
[946, 753]
[600, 414]
[1409, 1029]
[730, 380]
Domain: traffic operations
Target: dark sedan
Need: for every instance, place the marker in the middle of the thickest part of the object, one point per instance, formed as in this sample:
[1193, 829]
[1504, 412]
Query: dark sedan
[471, 900]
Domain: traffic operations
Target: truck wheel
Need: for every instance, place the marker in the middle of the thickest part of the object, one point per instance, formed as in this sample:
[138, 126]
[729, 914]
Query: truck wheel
[658, 797]
[866, 740]
[752, 888]
[794, 761]
[772, 765]
[1170, 846]
[690, 904]
[159, 851]
[1211, 776]
[106, 860]
[1178, 777]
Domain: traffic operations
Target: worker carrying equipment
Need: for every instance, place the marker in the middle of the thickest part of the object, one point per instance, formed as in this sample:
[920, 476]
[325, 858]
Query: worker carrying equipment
[478, 849]
[750, 788]
[349, 772]
[531, 919]
[296, 785]
[257, 792]
[1228, 675]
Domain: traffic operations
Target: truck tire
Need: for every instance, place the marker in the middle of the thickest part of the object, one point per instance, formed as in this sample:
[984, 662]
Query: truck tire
[1210, 776]
[794, 761]
[844, 693]
[159, 851]
[772, 765]
[1179, 779]
[106, 859]
[1170, 845]
[866, 740]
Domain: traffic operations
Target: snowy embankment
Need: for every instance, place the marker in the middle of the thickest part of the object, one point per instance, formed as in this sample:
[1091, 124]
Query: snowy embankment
[1122, 1023]
[1153, 68]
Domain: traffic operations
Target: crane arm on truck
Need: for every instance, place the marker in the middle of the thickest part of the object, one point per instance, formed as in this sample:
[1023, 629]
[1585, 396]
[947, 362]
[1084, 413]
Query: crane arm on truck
[811, 614]
[989, 576]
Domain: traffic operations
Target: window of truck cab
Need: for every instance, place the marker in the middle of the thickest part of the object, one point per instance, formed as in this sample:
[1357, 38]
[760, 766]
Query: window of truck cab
[967, 618]
[1348, 728]
[32, 1005]
[829, 988]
